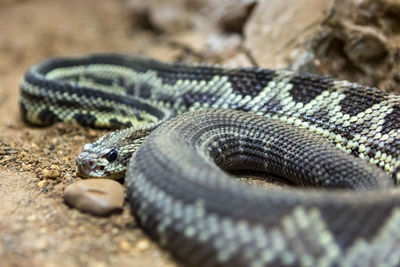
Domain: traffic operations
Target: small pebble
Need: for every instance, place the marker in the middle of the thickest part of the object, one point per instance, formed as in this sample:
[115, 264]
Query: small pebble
[42, 183]
[51, 173]
[26, 167]
[68, 178]
[97, 264]
[124, 245]
[142, 245]
[78, 138]
[92, 133]
[99, 197]
[41, 244]
[35, 146]
[32, 218]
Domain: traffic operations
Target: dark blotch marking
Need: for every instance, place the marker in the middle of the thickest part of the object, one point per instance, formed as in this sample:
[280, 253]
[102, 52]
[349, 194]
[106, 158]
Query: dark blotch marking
[273, 106]
[106, 109]
[122, 112]
[189, 98]
[394, 148]
[166, 98]
[306, 87]
[116, 124]
[99, 80]
[345, 239]
[121, 81]
[70, 78]
[171, 73]
[392, 121]
[249, 81]
[145, 90]
[85, 119]
[138, 116]
[130, 89]
[359, 98]
[48, 117]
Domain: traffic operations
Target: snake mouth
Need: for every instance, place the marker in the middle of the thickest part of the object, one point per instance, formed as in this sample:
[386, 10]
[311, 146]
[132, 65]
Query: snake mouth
[99, 174]
[92, 172]
[87, 166]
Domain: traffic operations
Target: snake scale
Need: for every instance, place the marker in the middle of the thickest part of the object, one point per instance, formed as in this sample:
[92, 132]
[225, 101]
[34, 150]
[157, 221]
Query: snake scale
[188, 127]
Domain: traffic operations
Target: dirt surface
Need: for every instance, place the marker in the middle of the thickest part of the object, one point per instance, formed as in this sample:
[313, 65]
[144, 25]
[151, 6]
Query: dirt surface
[36, 227]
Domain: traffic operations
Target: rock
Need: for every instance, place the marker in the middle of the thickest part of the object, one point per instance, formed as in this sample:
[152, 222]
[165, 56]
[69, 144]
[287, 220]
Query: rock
[99, 197]
[352, 40]
[358, 44]
[26, 167]
[239, 60]
[233, 16]
[278, 31]
[31, 217]
[173, 16]
[41, 243]
[42, 183]
[35, 146]
[51, 173]
[92, 133]
[223, 45]
[124, 245]
[142, 245]
[159, 15]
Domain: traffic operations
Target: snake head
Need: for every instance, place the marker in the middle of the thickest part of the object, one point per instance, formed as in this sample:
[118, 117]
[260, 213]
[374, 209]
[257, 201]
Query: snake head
[108, 157]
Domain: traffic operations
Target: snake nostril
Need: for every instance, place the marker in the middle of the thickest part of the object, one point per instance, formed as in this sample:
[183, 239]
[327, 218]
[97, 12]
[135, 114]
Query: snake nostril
[101, 168]
[91, 163]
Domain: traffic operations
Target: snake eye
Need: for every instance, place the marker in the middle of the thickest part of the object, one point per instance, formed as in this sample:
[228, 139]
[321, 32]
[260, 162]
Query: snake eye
[112, 155]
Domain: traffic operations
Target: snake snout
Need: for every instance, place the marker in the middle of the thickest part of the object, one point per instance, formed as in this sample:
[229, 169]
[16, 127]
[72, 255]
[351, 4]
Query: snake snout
[88, 166]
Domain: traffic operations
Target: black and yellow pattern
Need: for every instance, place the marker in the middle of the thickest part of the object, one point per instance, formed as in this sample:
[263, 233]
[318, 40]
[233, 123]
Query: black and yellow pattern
[119, 91]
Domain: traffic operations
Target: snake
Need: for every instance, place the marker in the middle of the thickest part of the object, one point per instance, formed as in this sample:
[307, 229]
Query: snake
[182, 132]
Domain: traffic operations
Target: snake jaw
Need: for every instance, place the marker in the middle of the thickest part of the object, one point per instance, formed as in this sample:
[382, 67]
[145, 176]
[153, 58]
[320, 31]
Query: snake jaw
[90, 165]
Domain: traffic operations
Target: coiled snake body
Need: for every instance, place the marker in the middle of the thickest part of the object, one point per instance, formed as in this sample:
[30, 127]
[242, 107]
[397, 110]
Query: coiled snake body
[311, 130]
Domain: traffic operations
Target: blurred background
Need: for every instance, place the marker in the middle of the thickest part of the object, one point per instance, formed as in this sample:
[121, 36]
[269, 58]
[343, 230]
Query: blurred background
[357, 40]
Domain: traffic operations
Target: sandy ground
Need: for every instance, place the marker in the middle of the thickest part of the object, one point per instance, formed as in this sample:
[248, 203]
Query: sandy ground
[36, 227]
